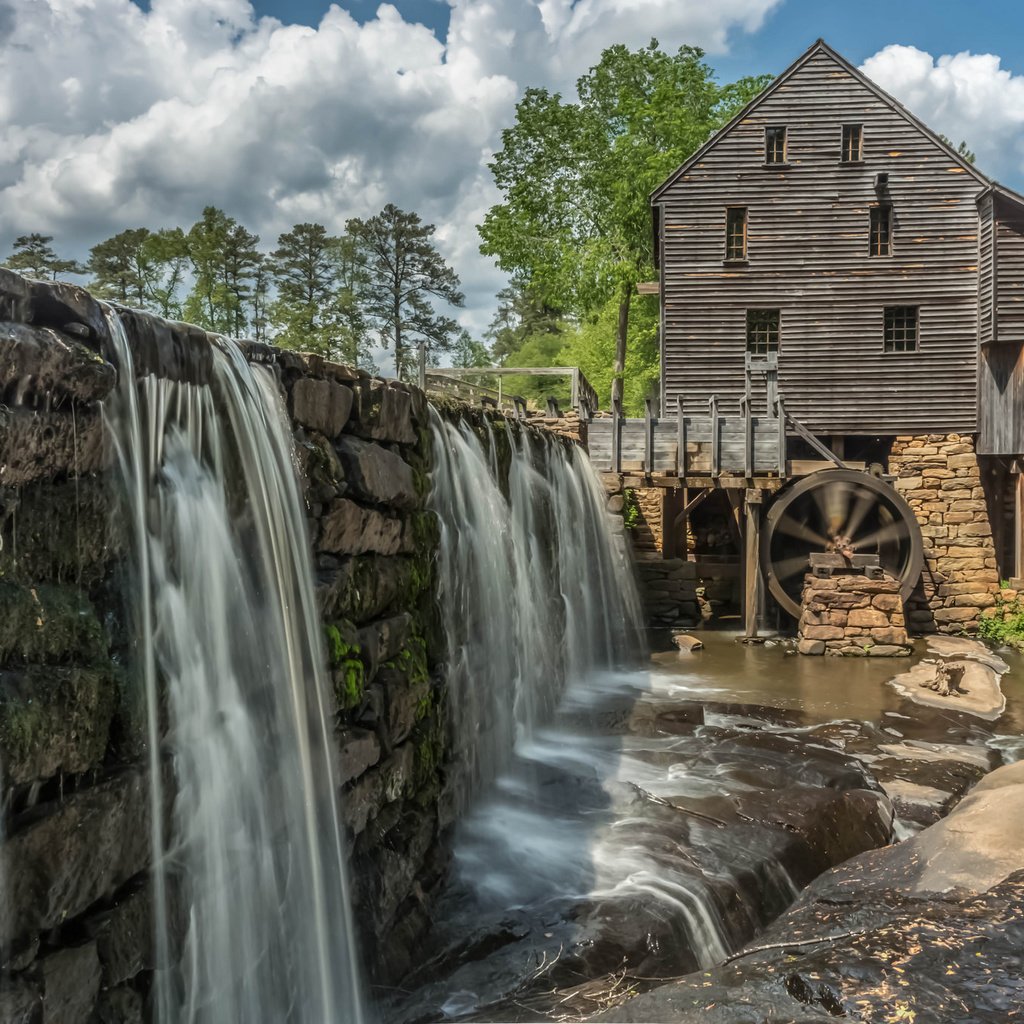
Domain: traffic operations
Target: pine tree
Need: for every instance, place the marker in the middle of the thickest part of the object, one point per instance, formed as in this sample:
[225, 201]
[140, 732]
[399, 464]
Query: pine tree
[33, 256]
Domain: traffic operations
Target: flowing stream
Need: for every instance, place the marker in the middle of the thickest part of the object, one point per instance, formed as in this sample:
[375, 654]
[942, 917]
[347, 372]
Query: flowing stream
[249, 862]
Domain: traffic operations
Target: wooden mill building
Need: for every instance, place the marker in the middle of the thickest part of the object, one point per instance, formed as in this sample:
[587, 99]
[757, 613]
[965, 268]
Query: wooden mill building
[840, 291]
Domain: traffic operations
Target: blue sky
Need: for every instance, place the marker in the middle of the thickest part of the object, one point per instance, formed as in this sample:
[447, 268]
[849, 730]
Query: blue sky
[167, 106]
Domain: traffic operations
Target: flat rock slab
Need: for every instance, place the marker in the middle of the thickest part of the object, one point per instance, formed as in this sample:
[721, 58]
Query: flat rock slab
[979, 691]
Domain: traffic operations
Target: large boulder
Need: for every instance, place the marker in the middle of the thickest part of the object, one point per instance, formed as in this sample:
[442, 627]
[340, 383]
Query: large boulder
[41, 361]
[377, 475]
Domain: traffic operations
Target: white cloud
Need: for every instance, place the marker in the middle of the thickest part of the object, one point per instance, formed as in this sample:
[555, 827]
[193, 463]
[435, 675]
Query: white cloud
[113, 117]
[967, 96]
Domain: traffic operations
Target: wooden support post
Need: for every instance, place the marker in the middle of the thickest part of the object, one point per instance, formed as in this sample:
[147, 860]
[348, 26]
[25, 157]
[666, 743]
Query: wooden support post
[752, 565]
[1018, 520]
[648, 437]
[681, 439]
[617, 436]
[716, 440]
[748, 437]
[780, 407]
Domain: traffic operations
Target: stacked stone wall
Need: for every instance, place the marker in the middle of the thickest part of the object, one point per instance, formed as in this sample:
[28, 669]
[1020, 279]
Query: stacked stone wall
[850, 615]
[75, 931]
[668, 589]
[939, 477]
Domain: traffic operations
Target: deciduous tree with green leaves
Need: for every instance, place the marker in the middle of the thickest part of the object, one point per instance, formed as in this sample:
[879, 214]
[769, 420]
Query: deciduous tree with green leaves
[33, 256]
[405, 274]
[574, 223]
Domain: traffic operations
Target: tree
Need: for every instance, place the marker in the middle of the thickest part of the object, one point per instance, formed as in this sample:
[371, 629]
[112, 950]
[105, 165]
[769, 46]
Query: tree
[141, 268]
[405, 273]
[468, 352]
[575, 223]
[304, 268]
[962, 150]
[226, 265]
[32, 256]
[520, 315]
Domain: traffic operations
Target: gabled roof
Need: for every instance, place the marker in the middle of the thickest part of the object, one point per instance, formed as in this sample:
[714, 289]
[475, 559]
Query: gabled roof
[820, 46]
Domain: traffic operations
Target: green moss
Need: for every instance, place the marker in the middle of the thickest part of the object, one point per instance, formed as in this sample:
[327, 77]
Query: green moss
[411, 661]
[48, 624]
[351, 683]
[630, 509]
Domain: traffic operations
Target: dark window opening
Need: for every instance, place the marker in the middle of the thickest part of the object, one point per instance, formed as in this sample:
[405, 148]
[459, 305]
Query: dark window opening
[901, 329]
[853, 143]
[880, 240]
[762, 331]
[775, 145]
[736, 233]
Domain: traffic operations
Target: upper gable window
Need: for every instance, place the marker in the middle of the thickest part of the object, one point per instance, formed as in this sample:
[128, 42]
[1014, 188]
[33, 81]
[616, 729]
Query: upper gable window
[736, 233]
[775, 145]
[880, 233]
[853, 144]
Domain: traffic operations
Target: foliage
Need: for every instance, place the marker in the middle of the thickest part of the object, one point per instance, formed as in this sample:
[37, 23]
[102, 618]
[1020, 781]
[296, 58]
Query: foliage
[592, 348]
[962, 149]
[404, 274]
[1006, 625]
[33, 256]
[141, 268]
[521, 315]
[630, 509]
[467, 351]
[574, 224]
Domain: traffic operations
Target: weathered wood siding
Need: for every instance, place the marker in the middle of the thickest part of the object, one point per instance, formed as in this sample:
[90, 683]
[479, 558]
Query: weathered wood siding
[986, 278]
[1009, 293]
[808, 256]
[1001, 406]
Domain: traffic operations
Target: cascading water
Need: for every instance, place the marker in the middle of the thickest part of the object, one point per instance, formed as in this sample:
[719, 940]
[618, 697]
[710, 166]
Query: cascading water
[248, 863]
[534, 586]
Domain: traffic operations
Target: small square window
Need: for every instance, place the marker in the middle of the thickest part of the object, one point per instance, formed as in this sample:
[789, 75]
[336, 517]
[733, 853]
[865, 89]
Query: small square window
[762, 331]
[901, 329]
[736, 233]
[775, 145]
[880, 233]
[853, 144]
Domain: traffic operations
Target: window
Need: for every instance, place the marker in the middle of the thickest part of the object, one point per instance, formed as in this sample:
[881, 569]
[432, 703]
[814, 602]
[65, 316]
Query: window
[736, 233]
[853, 144]
[880, 240]
[775, 145]
[762, 331]
[900, 329]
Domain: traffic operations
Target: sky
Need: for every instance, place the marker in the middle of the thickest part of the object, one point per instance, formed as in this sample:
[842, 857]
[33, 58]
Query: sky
[117, 114]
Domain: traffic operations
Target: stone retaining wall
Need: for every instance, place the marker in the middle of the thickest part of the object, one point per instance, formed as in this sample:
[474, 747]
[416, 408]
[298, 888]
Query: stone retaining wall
[668, 590]
[75, 932]
[848, 614]
[938, 476]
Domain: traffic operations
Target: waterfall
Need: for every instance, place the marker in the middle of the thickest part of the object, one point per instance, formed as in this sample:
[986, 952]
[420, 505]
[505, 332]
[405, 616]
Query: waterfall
[248, 861]
[535, 585]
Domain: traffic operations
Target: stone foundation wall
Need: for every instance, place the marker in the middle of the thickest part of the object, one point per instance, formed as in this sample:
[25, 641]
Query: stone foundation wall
[853, 616]
[75, 931]
[668, 589]
[647, 529]
[938, 475]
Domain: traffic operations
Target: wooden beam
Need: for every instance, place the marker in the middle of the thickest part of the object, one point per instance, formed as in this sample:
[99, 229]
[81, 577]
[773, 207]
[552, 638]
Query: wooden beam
[752, 565]
[648, 288]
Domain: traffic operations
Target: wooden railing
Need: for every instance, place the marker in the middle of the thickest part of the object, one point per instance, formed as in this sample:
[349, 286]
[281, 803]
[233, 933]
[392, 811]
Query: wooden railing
[459, 382]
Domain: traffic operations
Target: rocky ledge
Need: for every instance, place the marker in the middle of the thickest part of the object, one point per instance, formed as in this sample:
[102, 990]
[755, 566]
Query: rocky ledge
[930, 930]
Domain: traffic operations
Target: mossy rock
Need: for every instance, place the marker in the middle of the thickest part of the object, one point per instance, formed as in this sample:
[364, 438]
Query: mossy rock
[54, 720]
[48, 623]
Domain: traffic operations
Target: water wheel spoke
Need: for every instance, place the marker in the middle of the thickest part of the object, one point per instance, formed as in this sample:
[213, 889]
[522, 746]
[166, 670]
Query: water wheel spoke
[801, 531]
[864, 503]
[892, 531]
[790, 567]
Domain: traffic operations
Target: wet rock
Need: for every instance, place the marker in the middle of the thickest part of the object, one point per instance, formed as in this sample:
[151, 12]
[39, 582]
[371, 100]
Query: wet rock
[69, 308]
[71, 983]
[122, 1005]
[319, 467]
[812, 647]
[350, 529]
[74, 854]
[687, 643]
[383, 640]
[358, 749]
[43, 444]
[377, 475]
[124, 936]
[20, 998]
[365, 587]
[321, 405]
[15, 297]
[383, 412]
[54, 719]
[173, 351]
[39, 362]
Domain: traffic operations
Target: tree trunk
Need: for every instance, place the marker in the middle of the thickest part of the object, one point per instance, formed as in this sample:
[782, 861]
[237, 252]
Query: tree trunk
[398, 335]
[620, 345]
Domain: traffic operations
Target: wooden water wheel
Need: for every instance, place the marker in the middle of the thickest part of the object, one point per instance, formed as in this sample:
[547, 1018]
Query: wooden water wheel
[841, 511]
